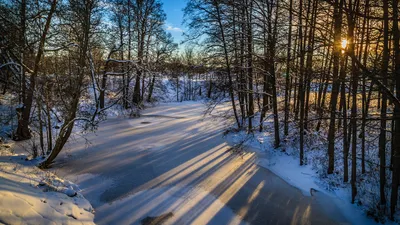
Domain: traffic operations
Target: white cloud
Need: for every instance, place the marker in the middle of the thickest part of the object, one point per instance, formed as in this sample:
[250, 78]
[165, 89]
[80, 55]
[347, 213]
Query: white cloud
[172, 28]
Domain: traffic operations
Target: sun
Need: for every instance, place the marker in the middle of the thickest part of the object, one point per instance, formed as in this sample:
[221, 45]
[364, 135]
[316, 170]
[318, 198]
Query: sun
[344, 43]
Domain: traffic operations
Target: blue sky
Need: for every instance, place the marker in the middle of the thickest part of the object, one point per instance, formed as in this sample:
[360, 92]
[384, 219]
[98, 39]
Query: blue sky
[173, 9]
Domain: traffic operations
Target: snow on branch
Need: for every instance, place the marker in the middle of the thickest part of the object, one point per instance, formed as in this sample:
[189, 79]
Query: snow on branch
[16, 64]
[121, 61]
[62, 47]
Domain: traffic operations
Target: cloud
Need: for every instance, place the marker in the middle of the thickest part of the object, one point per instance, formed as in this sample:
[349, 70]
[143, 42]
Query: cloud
[172, 28]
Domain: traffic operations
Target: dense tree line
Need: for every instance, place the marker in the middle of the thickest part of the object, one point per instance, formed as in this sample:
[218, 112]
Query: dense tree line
[331, 67]
[55, 54]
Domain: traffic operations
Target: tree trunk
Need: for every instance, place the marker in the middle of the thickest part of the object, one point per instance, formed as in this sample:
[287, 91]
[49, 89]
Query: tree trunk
[345, 128]
[151, 88]
[228, 67]
[382, 135]
[396, 115]
[338, 9]
[23, 131]
[103, 89]
[273, 78]
[41, 138]
[301, 92]
[22, 46]
[288, 65]
[250, 66]
[68, 125]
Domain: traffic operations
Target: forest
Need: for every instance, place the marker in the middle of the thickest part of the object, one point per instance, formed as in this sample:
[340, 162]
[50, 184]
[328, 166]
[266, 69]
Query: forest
[322, 76]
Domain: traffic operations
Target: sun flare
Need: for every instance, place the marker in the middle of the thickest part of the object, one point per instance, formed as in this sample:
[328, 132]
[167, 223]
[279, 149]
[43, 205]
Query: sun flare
[344, 43]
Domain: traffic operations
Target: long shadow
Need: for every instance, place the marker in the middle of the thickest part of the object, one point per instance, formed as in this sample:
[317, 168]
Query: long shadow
[93, 159]
[162, 116]
[192, 156]
[197, 175]
[201, 206]
[194, 178]
[14, 186]
[162, 161]
[169, 152]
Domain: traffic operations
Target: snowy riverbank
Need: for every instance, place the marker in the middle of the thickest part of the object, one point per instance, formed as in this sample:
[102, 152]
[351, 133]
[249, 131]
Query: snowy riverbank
[285, 164]
[29, 195]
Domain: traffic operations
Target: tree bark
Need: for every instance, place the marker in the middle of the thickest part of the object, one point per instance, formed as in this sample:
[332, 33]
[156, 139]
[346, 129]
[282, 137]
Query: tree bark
[66, 128]
[396, 131]
[288, 65]
[23, 131]
[338, 11]
[382, 135]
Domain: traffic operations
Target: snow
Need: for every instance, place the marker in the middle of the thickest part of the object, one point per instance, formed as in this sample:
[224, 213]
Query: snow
[8, 115]
[287, 166]
[179, 163]
[182, 200]
[29, 195]
[284, 166]
[305, 178]
[176, 200]
[171, 159]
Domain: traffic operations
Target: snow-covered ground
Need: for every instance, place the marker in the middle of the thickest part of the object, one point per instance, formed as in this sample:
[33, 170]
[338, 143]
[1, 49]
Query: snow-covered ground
[174, 161]
[29, 195]
[174, 164]
[286, 165]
